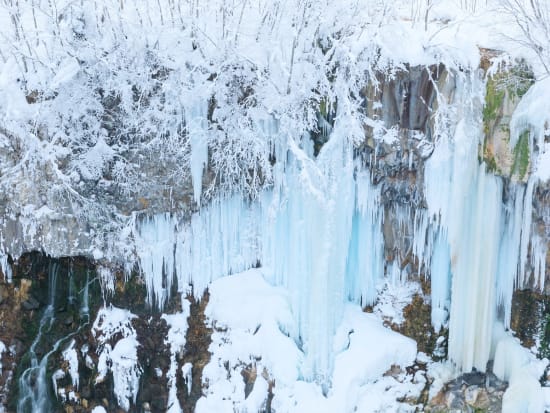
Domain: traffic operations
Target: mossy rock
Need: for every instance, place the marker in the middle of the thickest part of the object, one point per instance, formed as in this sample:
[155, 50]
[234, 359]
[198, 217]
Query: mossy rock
[521, 156]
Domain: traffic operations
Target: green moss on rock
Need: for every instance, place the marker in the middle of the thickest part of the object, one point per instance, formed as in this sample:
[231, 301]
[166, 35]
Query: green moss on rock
[521, 155]
[494, 98]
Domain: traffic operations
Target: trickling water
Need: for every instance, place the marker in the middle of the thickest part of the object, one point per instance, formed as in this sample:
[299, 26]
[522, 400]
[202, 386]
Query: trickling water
[35, 390]
[85, 307]
[33, 386]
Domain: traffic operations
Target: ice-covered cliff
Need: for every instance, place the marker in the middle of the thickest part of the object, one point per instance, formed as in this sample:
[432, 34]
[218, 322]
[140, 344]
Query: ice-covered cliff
[234, 188]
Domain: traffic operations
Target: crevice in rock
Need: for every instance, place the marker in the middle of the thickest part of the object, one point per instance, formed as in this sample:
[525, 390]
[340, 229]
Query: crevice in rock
[197, 352]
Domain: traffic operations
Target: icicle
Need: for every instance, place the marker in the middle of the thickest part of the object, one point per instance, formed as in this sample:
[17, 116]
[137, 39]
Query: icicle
[365, 262]
[421, 243]
[526, 231]
[71, 357]
[539, 250]
[196, 122]
[6, 268]
[508, 262]
[155, 243]
[440, 271]
[461, 198]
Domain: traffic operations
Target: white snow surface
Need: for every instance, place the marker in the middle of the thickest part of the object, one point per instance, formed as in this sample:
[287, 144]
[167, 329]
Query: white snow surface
[177, 329]
[522, 370]
[71, 357]
[251, 321]
[121, 359]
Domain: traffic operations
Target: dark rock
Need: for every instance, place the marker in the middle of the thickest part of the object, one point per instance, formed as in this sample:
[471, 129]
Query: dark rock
[30, 304]
[3, 293]
[16, 345]
[474, 378]
[86, 392]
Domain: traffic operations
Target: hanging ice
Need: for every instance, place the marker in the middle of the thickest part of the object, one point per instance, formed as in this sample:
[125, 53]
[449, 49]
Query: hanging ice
[295, 231]
[197, 127]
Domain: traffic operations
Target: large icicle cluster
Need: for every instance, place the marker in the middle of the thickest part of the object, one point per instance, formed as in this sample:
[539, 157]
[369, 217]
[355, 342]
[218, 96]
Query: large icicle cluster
[479, 241]
[317, 233]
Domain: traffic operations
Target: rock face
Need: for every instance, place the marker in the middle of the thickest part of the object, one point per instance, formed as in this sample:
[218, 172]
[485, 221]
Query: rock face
[469, 393]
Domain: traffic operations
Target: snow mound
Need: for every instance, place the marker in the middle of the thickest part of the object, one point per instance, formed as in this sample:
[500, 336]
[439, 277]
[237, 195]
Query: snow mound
[253, 331]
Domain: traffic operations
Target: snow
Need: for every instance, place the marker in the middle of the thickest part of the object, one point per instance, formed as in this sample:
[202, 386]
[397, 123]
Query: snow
[121, 360]
[187, 373]
[251, 319]
[71, 357]
[393, 298]
[177, 330]
[475, 252]
[531, 114]
[440, 374]
[522, 370]
[196, 122]
[260, 319]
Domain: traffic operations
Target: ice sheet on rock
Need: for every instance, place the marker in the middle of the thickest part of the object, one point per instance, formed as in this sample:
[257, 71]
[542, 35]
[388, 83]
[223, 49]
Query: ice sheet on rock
[3, 349]
[487, 245]
[440, 269]
[5, 267]
[365, 257]
[295, 231]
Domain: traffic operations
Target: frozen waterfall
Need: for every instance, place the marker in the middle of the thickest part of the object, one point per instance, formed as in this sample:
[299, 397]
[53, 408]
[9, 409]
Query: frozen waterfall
[318, 233]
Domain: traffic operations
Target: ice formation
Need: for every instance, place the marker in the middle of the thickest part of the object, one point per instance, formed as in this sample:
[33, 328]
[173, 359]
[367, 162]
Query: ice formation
[71, 357]
[295, 231]
[318, 234]
[462, 197]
